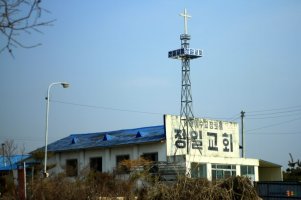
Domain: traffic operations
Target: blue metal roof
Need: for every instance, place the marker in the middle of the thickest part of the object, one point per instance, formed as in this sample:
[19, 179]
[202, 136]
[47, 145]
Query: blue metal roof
[109, 139]
[11, 162]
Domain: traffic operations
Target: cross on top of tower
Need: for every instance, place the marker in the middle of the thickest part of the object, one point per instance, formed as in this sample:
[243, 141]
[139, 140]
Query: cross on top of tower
[186, 16]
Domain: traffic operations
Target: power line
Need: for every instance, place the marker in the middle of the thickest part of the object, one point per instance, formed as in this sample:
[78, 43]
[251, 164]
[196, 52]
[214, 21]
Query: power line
[235, 117]
[25, 138]
[274, 133]
[272, 117]
[106, 108]
[272, 125]
[274, 109]
[273, 113]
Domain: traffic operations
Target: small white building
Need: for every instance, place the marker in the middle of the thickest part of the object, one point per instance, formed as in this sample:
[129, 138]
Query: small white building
[210, 150]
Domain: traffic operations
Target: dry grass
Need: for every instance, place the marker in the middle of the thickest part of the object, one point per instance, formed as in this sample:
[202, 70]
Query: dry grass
[197, 189]
[92, 186]
[96, 185]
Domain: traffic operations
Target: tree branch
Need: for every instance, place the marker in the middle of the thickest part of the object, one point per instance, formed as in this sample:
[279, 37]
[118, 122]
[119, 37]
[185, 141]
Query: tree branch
[17, 16]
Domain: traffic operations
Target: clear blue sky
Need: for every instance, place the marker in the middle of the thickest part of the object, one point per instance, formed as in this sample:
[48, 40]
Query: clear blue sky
[114, 55]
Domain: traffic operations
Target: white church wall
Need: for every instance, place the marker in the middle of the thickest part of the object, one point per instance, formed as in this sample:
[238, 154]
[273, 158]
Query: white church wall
[108, 156]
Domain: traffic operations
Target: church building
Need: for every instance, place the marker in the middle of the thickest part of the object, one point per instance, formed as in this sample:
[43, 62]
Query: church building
[210, 150]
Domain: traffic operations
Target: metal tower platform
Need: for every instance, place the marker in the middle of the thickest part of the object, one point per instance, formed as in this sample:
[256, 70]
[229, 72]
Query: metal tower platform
[185, 54]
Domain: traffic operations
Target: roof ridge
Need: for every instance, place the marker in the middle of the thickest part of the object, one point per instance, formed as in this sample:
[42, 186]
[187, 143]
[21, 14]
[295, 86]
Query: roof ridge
[106, 132]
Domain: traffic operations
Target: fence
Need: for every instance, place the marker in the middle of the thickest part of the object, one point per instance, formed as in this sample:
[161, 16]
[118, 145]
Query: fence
[270, 190]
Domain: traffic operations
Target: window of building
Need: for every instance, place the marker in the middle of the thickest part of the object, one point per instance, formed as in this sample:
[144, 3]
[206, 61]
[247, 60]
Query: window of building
[120, 158]
[198, 170]
[150, 156]
[153, 168]
[247, 170]
[220, 171]
[71, 167]
[96, 164]
[4, 173]
[122, 168]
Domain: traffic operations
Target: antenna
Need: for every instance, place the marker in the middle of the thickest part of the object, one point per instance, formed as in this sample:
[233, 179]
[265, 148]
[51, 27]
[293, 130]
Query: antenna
[185, 54]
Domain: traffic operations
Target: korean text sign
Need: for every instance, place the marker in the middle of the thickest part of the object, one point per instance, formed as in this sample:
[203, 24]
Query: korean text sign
[207, 137]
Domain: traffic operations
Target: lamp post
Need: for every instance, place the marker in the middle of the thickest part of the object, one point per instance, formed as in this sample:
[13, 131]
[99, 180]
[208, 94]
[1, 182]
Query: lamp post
[3, 154]
[64, 85]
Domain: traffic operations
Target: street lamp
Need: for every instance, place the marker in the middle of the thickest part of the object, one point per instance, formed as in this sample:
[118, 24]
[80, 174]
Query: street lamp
[3, 154]
[64, 85]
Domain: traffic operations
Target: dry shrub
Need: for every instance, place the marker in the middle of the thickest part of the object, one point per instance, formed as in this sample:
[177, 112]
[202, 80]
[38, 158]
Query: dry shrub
[95, 185]
[197, 189]
[134, 164]
[239, 188]
[184, 188]
[127, 166]
[58, 187]
[8, 189]
[107, 185]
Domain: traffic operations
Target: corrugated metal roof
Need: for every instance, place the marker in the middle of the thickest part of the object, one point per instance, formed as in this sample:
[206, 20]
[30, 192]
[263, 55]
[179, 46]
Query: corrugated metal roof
[264, 163]
[11, 162]
[108, 139]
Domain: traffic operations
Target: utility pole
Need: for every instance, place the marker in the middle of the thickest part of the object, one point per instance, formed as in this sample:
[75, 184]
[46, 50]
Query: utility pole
[242, 115]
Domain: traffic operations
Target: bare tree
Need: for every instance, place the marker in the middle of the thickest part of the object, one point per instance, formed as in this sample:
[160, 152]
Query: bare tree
[16, 18]
[10, 149]
[291, 163]
[293, 172]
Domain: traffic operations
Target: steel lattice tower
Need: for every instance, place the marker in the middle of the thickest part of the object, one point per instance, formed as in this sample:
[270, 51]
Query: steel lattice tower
[185, 54]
